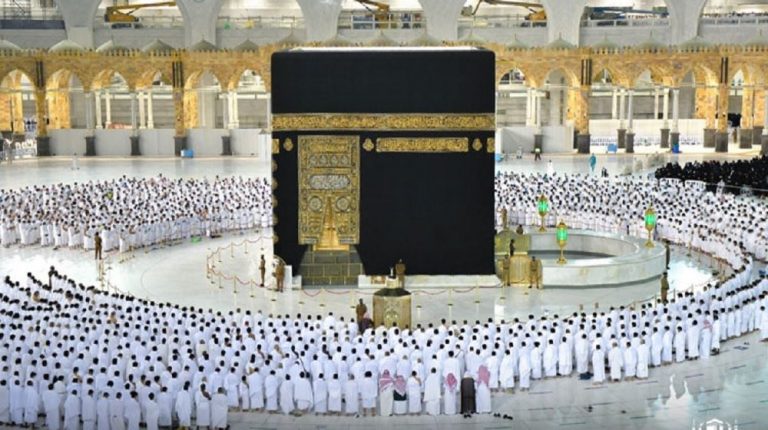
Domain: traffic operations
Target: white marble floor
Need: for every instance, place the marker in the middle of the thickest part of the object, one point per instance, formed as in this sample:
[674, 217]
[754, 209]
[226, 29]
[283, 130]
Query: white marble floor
[730, 387]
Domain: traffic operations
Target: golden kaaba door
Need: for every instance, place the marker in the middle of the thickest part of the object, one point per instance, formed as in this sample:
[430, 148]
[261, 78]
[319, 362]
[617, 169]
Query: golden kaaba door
[329, 175]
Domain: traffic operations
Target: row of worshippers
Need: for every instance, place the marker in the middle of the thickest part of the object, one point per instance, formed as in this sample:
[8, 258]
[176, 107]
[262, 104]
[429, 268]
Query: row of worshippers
[131, 213]
[131, 354]
[725, 226]
[736, 174]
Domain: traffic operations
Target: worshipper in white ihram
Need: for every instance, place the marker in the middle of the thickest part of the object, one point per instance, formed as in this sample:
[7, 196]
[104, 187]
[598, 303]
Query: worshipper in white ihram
[414, 394]
[432, 393]
[219, 407]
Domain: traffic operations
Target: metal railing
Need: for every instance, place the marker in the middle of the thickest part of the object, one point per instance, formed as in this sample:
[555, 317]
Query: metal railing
[629, 22]
[29, 14]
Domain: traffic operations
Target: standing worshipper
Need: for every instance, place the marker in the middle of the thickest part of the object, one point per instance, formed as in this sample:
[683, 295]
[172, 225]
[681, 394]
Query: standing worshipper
[72, 411]
[303, 394]
[432, 393]
[203, 407]
[360, 311]
[88, 405]
[664, 288]
[183, 406]
[219, 406]
[451, 385]
[320, 395]
[151, 412]
[468, 396]
[386, 394]
[262, 269]
[368, 393]
[483, 390]
[255, 391]
[334, 395]
[102, 412]
[51, 406]
[592, 164]
[351, 396]
[286, 396]
[133, 412]
[400, 396]
[31, 404]
[97, 246]
[615, 362]
[414, 394]
[598, 365]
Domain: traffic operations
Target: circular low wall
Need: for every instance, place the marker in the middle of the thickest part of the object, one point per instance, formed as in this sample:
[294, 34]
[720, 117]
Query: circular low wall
[629, 260]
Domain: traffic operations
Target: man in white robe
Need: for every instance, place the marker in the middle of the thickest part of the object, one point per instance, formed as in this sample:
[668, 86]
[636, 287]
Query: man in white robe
[72, 411]
[414, 394]
[320, 395]
[550, 359]
[303, 394]
[615, 362]
[643, 357]
[102, 412]
[51, 405]
[286, 396]
[183, 406]
[368, 393]
[132, 413]
[219, 407]
[271, 392]
[256, 390]
[334, 395]
[31, 403]
[432, 393]
[351, 396]
[598, 365]
[88, 411]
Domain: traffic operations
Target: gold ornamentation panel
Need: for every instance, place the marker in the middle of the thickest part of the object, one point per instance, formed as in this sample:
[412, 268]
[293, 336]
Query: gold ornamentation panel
[422, 144]
[275, 148]
[329, 171]
[491, 145]
[384, 122]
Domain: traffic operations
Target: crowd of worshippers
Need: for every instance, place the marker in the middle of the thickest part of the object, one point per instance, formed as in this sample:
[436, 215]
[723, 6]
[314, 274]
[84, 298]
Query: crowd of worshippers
[130, 213]
[730, 176]
[79, 356]
[726, 226]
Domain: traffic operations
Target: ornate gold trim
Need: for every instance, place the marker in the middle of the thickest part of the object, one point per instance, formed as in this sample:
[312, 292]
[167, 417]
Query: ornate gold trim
[419, 121]
[422, 144]
[490, 146]
[275, 147]
[477, 145]
[368, 145]
[288, 145]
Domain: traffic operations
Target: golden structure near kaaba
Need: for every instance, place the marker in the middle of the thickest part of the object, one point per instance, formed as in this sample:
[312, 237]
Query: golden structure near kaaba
[513, 269]
[392, 304]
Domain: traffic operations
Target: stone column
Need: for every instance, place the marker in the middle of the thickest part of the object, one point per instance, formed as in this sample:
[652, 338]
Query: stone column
[97, 96]
[235, 109]
[226, 110]
[529, 107]
[578, 109]
[615, 104]
[442, 18]
[665, 118]
[43, 140]
[200, 18]
[721, 137]
[747, 118]
[142, 115]
[675, 134]
[655, 103]
[150, 111]
[538, 137]
[108, 103]
[764, 137]
[90, 139]
[321, 18]
[622, 132]
[134, 121]
[630, 137]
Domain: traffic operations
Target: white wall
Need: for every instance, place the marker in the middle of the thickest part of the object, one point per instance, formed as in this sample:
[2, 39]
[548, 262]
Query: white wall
[205, 142]
[556, 139]
[693, 128]
[68, 142]
[113, 142]
[251, 142]
[156, 141]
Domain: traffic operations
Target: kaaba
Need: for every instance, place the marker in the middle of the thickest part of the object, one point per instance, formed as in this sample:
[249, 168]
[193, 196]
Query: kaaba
[390, 150]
